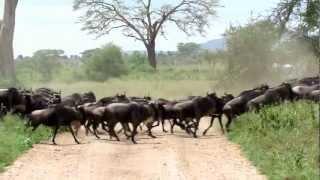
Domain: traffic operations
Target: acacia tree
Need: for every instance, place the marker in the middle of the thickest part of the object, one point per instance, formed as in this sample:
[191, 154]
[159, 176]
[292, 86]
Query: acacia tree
[302, 16]
[7, 25]
[143, 22]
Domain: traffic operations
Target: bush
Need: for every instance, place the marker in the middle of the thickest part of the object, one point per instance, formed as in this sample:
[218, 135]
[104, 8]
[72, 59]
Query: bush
[138, 62]
[105, 63]
[282, 140]
[15, 139]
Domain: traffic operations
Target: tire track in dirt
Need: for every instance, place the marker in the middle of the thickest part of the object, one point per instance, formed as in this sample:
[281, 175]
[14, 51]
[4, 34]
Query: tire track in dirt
[169, 157]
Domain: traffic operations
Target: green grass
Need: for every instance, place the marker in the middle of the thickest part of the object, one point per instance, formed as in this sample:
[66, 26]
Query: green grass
[282, 141]
[16, 139]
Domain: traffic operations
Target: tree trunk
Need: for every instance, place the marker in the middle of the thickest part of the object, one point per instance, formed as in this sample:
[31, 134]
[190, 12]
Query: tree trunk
[6, 39]
[151, 51]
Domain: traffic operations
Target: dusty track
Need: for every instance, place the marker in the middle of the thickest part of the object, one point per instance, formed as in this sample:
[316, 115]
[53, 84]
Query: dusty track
[175, 157]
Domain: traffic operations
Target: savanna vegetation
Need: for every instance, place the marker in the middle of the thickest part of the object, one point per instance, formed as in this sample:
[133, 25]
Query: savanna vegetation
[282, 141]
[16, 139]
[254, 54]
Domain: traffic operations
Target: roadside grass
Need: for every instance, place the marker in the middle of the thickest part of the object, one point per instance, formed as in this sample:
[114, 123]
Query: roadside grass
[15, 139]
[282, 141]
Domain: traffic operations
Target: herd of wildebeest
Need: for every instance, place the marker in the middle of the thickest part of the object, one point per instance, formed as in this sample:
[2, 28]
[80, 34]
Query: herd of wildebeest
[46, 106]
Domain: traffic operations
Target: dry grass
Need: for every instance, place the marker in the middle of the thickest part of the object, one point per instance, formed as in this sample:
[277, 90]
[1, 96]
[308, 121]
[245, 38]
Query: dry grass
[154, 88]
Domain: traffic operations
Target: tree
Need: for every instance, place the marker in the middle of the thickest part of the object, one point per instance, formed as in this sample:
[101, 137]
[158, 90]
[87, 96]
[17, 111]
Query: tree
[7, 25]
[249, 51]
[188, 48]
[143, 22]
[302, 16]
[47, 62]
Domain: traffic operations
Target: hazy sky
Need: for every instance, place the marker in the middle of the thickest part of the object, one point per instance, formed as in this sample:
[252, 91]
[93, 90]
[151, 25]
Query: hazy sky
[51, 24]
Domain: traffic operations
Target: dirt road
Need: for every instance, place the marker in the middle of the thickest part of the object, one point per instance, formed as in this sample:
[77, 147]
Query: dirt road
[176, 157]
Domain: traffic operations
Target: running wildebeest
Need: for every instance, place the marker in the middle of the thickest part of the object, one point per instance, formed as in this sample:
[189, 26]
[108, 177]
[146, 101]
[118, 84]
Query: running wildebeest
[196, 108]
[301, 91]
[218, 114]
[238, 106]
[56, 117]
[271, 96]
[126, 113]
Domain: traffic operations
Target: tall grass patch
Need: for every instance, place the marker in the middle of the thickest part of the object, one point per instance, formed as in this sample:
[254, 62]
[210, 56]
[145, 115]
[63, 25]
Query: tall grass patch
[16, 139]
[282, 141]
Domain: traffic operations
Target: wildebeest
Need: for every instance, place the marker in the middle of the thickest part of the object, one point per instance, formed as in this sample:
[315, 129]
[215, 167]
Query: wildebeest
[88, 97]
[309, 81]
[10, 97]
[238, 106]
[301, 91]
[126, 113]
[113, 99]
[314, 95]
[171, 114]
[144, 99]
[77, 99]
[31, 102]
[93, 113]
[195, 109]
[53, 97]
[271, 96]
[55, 117]
[219, 111]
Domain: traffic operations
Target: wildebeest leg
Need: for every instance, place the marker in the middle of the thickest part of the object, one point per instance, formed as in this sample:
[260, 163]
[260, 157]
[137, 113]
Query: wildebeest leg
[126, 130]
[172, 123]
[87, 125]
[134, 132]
[74, 137]
[229, 117]
[35, 127]
[189, 124]
[149, 126]
[112, 132]
[141, 127]
[211, 123]
[54, 134]
[220, 122]
[196, 127]
[95, 126]
[95, 132]
[76, 125]
[163, 129]
[104, 127]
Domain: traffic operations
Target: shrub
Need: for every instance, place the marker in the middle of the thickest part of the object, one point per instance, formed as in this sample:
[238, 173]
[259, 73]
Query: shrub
[105, 63]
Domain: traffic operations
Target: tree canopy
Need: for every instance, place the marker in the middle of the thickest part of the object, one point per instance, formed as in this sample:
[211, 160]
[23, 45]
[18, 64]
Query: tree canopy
[301, 16]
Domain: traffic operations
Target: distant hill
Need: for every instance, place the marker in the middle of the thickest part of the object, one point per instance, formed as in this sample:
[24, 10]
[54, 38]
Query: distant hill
[214, 45]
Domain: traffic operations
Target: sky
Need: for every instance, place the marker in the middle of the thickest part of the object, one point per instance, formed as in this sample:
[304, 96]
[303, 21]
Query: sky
[52, 24]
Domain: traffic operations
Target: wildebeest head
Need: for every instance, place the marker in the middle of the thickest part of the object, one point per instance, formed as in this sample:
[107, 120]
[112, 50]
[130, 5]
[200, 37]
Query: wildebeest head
[148, 98]
[121, 97]
[227, 97]
[287, 88]
[88, 97]
[212, 95]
